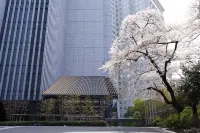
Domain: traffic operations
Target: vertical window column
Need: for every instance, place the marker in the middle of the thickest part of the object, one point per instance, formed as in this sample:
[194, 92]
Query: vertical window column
[29, 51]
[7, 48]
[2, 44]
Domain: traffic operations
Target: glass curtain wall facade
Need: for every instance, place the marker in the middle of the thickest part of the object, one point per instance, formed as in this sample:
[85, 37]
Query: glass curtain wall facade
[22, 42]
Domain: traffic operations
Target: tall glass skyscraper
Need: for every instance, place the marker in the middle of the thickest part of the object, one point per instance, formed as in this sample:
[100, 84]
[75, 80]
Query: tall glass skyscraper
[43, 40]
[22, 42]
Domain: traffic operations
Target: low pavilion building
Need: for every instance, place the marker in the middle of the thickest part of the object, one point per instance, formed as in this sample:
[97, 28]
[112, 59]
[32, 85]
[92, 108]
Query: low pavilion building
[99, 89]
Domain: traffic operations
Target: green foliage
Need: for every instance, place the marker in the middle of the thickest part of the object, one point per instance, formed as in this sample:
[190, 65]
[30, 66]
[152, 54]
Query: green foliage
[60, 105]
[88, 106]
[129, 124]
[176, 121]
[68, 106]
[137, 111]
[186, 117]
[173, 121]
[56, 123]
[190, 84]
[159, 122]
[189, 89]
[182, 97]
[73, 104]
[47, 106]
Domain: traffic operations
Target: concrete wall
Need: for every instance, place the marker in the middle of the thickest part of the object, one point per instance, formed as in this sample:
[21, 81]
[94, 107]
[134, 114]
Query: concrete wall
[79, 36]
[87, 36]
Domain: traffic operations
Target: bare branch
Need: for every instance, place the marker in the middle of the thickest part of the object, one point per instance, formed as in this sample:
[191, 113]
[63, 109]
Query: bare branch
[134, 40]
[169, 60]
[135, 82]
[176, 42]
[146, 23]
[161, 93]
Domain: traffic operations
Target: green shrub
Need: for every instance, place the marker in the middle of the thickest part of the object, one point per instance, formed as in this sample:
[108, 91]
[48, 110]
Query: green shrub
[173, 121]
[50, 123]
[182, 121]
[159, 122]
[115, 123]
[186, 117]
[129, 124]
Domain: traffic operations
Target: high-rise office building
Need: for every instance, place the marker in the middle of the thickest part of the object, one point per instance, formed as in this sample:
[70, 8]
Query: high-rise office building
[79, 36]
[22, 42]
[43, 40]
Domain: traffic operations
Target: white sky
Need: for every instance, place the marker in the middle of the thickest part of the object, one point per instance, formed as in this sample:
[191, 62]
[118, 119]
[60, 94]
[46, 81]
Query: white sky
[175, 10]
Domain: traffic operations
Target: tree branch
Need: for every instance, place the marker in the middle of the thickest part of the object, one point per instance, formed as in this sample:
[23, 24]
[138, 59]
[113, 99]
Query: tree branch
[169, 60]
[146, 23]
[161, 93]
[150, 58]
[134, 40]
[161, 74]
[176, 42]
[154, 64]
[135, 82]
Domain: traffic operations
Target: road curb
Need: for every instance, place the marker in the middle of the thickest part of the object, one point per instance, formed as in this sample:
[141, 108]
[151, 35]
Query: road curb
[8, 127]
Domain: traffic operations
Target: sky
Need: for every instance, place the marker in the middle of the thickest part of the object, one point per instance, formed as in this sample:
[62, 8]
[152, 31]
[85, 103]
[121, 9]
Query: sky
[175, 10]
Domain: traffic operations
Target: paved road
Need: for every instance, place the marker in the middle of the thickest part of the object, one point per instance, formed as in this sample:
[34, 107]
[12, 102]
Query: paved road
[80, 130]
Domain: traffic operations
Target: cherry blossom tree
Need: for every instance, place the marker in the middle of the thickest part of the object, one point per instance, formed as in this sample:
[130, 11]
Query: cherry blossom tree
[146, 55]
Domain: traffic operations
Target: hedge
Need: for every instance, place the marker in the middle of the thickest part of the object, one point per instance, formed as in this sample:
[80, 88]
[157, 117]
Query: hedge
[50, 123]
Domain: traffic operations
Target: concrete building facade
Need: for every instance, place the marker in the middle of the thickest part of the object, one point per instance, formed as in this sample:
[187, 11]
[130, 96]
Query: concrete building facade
[79, 36]
[43, 40]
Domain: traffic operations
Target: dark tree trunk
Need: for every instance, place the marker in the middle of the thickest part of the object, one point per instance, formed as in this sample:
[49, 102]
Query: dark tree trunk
[195, 118]
[162, 74]
[174, 102]
[177, 106]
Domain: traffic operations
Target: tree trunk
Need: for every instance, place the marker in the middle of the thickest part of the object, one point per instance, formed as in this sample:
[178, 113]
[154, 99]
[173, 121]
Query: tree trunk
[195, 117]
[174, 102]
[177, 106]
